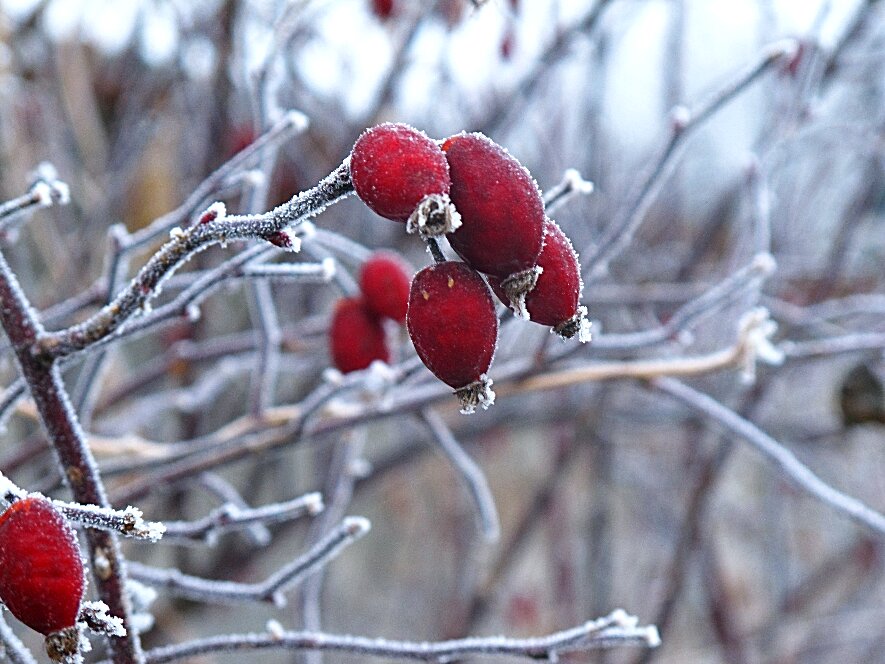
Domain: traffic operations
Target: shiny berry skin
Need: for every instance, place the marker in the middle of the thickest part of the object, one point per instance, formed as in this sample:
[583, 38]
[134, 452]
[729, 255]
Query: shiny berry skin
[502, 213]
[356, 336]
[555, 299]
[384, 282]
[41, 573]
[452, 323]
[394, 167]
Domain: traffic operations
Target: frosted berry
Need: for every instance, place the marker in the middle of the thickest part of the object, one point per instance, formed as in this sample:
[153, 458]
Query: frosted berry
[356, 336]
[384, 281]
[402, 175]
[452, 323]
[502, 213]
[41, 574]
[555, 299]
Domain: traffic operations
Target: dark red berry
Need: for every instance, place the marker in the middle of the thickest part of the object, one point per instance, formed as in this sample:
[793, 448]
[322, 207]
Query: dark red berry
[356, 336]
[555, 299]
[383, 9]
[384, 281]
[453, 326]
[41, 574]
[394, 167]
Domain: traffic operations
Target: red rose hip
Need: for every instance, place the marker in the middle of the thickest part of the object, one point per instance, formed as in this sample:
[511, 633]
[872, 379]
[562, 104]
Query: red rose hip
[356, 336]
[452, 323]
[502, 213]
[555, 299]
[384, 281]
[402, 175]
[41, 573]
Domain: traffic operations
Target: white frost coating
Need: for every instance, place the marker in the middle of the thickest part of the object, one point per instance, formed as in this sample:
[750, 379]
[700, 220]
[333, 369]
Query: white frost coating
[254, 177]
[198, 59]
[296, 119]
[217, 209]
[306, 230]
[357, 526]
[332, 376]
[359, 468]
[577, 183]
[192, 313]
[329, 268]
[680, 117]
[652, 636]
[275, 630]
[756, 329]
[378, 377]
[764, 263]
[43, 192]
[176, 233]
[584, 335]
[98, 619]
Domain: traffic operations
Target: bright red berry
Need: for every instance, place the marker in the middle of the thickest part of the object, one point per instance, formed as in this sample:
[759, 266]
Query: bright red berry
[502, 213]
[384, 281]
[356, 336]
[453, 326]
[395, 167]
[41, 573]
[555, 299]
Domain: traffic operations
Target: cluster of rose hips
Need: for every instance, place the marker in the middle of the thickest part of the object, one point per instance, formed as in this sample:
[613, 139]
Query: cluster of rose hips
[41, 574]
[486, 204]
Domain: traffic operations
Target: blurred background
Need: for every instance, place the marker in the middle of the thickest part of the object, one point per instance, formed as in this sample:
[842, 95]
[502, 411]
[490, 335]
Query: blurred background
[610, 493]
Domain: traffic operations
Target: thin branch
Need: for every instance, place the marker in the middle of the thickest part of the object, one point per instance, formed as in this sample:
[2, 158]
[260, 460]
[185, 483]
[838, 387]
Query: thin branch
[684, 122]
[571, 185]
[469, 472]
[12, 647]
[794, 470]
[270, 590]
[230, 517]
[614, 630]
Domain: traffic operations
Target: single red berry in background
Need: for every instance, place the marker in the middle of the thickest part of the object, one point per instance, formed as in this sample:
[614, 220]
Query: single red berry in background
[41, 573]
[384, 281]
[394, 167]
[383, 9]
[356, 336]
[555, 299]
[502, 213]
[453, 326]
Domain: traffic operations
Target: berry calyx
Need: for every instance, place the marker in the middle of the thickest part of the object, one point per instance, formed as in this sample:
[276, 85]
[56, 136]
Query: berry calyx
[394, 167]
[356, 336]
[452, 323]
[384, 282]
[555, 298]
[501, 209]
[41, 573]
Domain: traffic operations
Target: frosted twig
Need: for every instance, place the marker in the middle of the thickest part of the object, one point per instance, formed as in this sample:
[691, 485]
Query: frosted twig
[571, 185]
[290, 124]
[270, 590]
[798, 474]
[46, 190]
[128, 522]
[615, 630]
[684, 122]
[321, 273]
[468, 471]
[343, 246]
[12, 647]
[182, 246]
[230, 517]
[14, 392]
[257, 533]
[760, 199]
[848, 343]
[267, 358]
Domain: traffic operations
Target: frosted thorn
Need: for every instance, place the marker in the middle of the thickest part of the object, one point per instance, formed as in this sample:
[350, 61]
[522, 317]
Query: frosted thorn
[284, 239]
[215, 212]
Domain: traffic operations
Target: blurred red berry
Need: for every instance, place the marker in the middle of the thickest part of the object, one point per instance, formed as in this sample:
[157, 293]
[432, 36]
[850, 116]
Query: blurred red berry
[394, 167]
[508, 42]
[555, 299]
[502, 213]
[383, 9]
[384, 281]
[41, 573]
[452, 323]
[356, 336]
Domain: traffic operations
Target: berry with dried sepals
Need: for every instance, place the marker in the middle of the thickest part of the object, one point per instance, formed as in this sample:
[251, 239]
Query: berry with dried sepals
[41, 573]
[356, 336]
[555, 299]
[452, 323]
[384, 281]
[501, 209]
[403, 175]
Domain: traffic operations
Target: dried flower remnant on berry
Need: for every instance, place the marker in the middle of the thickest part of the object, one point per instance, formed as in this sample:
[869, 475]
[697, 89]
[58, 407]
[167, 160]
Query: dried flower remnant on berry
[41, 573]
[555, 299]
[356, 336]
[452, 323]
[395, 167]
